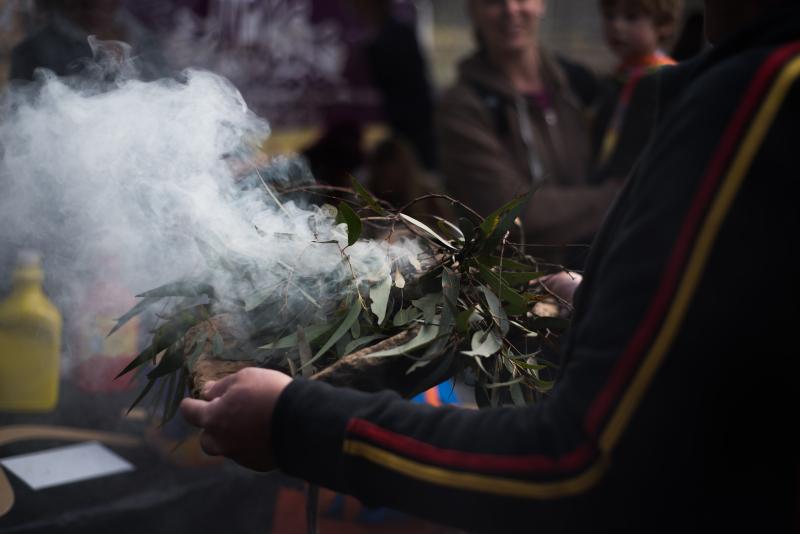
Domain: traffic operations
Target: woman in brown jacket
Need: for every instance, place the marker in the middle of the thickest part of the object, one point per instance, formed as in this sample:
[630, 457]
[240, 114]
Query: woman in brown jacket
[516, 121]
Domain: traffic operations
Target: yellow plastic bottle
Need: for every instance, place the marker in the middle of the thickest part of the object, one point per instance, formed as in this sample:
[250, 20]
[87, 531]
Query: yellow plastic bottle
[30, 342]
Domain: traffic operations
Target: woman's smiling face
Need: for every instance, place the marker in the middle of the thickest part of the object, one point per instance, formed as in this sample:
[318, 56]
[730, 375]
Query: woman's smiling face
[507, 26]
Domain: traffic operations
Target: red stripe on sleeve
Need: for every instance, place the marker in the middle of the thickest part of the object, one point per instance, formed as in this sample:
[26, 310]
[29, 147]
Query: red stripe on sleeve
[419, 450]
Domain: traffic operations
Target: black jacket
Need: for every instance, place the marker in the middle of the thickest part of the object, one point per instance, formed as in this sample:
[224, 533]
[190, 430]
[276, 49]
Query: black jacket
[678, 398]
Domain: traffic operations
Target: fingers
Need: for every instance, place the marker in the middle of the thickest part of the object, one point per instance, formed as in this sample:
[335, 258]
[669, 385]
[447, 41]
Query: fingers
[214, 389]
[195, 411]
[210, 445]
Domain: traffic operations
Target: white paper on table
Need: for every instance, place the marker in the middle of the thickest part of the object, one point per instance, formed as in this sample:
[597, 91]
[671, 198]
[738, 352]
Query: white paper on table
[65, 465]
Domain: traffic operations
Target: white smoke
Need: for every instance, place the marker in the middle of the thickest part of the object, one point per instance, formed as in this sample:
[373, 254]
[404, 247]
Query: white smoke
[143, 174]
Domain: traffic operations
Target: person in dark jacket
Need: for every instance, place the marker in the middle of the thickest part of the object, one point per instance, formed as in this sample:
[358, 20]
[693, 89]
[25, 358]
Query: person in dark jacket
[516, 120]
[677, 401]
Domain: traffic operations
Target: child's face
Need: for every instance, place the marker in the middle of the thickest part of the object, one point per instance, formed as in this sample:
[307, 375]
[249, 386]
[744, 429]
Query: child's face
[630, 34]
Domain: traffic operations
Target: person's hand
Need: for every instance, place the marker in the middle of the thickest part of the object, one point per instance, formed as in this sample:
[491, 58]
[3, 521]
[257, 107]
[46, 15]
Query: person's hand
[235, 415]
[561, 285]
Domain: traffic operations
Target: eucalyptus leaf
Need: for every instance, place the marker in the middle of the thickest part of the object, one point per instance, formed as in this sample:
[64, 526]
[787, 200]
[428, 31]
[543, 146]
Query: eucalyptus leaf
[496, 309]
[351, 219]
[451, 230]
[355, 330]
[313, 333]
[379, 298]
[140, 306]
[427, 334]
[181, 289]
[414, 223]
[352, 315]
[484, 344]
[367, 197]
[142, 395]
[516, 304]
[517, 396]
[171, 361]
[405, 316]
[427, 305]
[492, 223]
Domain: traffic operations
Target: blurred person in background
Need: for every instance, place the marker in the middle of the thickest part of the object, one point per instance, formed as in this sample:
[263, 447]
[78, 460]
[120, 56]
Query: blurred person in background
[517, 120]
[61, 44]
[400, 72]
[674, 412]
[635, 31]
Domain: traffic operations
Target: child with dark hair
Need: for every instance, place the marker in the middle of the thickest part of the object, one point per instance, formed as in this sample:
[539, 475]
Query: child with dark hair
[636, 31]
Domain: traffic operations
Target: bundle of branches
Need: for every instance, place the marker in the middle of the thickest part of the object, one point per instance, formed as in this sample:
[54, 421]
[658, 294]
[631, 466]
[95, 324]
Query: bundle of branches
[468, 307]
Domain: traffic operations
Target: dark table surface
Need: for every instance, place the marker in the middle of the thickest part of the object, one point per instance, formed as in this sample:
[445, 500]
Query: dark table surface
[176, 492]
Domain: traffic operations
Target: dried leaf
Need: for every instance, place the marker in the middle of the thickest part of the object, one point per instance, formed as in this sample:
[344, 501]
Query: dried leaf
[356, 344]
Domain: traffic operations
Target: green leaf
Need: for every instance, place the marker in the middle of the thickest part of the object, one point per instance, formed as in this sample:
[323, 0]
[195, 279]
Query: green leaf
[449, 229]
[142, 395]
[496, 309]
[169, 394]
[356, 344]
[517, 396]
[181, 289]
[348, 216]
[492, 224]
[426, 335]
[367, 197]
[355, 330]
[133, 312]
[405, 316]
[516, 303]
[414, 223]
[484, 344]
[496, 385]
[170, 362]
[313, 333]
[143, 357]
[177, 385]
[379, 298]
[465, 319]
[427, 305]
[341, 330]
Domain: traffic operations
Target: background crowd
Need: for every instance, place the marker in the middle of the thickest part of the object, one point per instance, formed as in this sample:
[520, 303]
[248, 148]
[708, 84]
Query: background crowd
[545, 96]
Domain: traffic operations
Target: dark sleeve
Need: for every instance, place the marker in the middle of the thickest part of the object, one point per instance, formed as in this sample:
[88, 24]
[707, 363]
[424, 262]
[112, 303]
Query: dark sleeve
[644, 431]
[638, 126]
